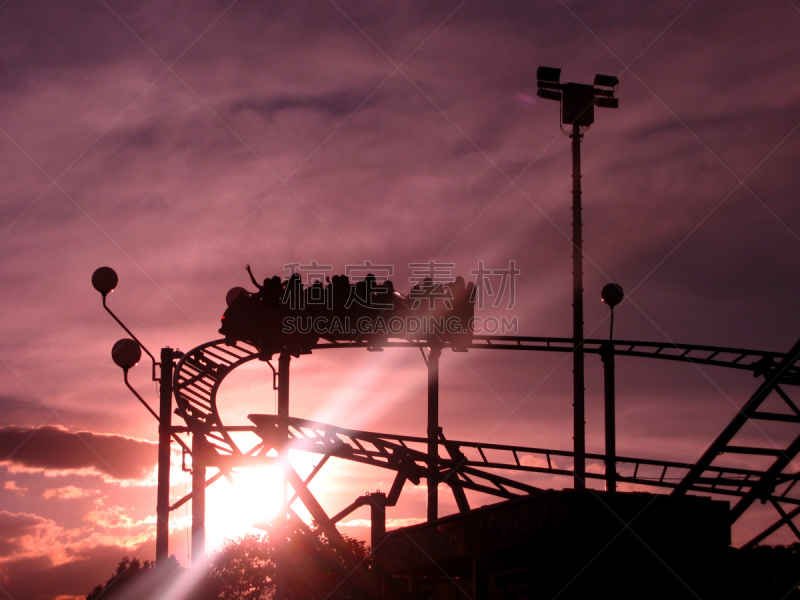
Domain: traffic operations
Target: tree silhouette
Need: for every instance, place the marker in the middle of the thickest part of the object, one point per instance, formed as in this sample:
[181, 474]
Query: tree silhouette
[776, 570]
[316, 567]
[136, 579]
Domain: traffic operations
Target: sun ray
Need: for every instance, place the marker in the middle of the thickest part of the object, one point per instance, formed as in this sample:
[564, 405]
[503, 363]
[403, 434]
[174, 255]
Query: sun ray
[234, 508]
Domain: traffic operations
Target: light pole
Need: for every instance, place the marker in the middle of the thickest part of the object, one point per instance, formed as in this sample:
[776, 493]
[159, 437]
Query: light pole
[612, 295]
[577, 102]
[126, 354]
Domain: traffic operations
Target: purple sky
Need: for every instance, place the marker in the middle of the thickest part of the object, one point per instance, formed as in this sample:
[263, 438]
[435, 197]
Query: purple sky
[177, 142]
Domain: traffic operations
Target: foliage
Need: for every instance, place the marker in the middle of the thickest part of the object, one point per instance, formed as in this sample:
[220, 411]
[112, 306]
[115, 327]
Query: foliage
[136, 579]
[775, 570]
[245, 569]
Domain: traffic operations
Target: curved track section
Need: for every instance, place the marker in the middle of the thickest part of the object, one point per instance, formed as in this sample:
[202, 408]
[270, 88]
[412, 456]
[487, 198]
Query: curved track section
[196, 381]
[200, 372]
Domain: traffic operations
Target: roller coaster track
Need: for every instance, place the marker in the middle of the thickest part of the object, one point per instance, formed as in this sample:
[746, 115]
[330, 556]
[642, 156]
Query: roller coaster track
[470, 465]
[474, 466]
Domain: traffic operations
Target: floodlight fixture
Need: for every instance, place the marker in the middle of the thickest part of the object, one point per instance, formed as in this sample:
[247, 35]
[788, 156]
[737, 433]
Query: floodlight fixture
[609, 81]
[606, 102]
[549, 94]
[548, 74]
[577, 99]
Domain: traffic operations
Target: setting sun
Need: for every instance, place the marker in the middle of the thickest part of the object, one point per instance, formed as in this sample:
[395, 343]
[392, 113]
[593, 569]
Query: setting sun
[239, 507]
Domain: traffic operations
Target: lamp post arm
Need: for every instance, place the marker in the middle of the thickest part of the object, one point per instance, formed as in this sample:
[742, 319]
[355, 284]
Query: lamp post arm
[135, 393]
[174, 435]
[141, 345]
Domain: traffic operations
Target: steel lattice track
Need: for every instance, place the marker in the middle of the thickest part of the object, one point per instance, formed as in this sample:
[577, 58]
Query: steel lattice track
[468, 460]
[474, 466]
[200, 372]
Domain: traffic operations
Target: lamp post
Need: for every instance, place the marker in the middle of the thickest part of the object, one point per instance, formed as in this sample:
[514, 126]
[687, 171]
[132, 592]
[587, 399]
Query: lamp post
[577, 102]
[612, 295]
[126, 354]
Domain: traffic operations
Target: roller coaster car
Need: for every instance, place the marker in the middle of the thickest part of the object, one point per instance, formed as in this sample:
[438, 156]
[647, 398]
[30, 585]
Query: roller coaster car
[438, 315]
[260, 323]
[444, 314]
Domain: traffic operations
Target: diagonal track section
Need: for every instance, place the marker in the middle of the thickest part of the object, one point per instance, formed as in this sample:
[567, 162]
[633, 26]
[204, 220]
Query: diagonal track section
[475, 465]
[771, 483]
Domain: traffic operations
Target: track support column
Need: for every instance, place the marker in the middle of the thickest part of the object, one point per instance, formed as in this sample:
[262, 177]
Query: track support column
[281, 564]
[607, 356]
[198, 500]
[377, 507]
[164, 436]
[433, 433]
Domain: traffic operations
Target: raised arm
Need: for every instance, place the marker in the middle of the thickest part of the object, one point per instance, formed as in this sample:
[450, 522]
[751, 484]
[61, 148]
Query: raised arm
[253, 279]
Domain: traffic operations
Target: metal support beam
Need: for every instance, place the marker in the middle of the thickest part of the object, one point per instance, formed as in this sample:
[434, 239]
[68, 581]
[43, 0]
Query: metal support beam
[198, 500]
[451, 476]
[281, 563]
[377, 518]
[765, 486]
[377, 533]
[480, 582]
[433, 433]
[607, 355]
[283, 424]
[283, 395]
[787, 517]
[164, 435]
[579, 436]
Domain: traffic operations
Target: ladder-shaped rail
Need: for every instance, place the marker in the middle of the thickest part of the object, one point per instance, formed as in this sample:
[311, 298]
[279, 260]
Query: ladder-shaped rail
[475, 466]
[196, 381]
[406, 455]
[755, 361]
[775, 401]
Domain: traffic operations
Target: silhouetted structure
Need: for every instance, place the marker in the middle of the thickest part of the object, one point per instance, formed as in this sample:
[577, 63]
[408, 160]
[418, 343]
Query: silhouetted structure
[246, 568]
[433, 313]
[570, 544]
[539, 543]
[577, 102]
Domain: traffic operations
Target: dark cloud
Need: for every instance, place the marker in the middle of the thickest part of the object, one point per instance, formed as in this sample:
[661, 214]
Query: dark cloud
[31, 411]
[38, 578]
[339, 104]
[14, 526]
[52, 448]
[57, 41]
